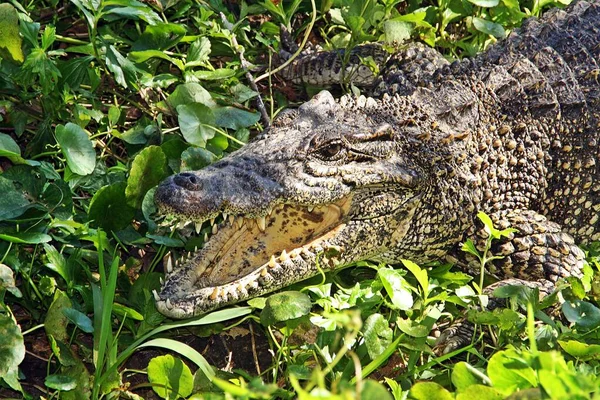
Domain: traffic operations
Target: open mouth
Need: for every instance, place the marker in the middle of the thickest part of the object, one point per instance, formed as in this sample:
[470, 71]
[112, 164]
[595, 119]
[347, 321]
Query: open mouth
[243, 256]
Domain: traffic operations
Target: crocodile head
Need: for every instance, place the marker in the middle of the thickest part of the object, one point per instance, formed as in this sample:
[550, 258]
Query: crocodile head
[327, 186]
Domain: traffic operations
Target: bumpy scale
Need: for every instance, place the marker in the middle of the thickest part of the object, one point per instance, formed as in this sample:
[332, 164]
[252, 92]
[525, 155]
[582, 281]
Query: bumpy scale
[512, 132]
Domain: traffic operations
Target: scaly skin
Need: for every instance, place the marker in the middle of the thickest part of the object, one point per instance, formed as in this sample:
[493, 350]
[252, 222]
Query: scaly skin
[512, 132]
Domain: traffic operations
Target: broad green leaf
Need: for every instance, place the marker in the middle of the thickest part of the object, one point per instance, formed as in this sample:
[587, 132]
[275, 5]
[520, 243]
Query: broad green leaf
[149, 168]
[198, 52]
[189, 93]
[161, 36]
[482, 392]
[509, 371]
[489, 27]
[217, 74]
[429, 391]
[7, 281]
[81, 320]
[235, 118]
[77, 148]
[12, 346]
[9, 148]
[60, 382]
[397, 31]
[145, 55]
[109, 208]
[285, 306]
[25, 237]
[463, 376]
[186, 351]
[396, 288]
[171, 378]
[485, 3]
[585, 315]
[196, 122]
[413, 328]
[195, 158]
[581, 350]
[13, 202]
[127, 312]
[419, 273]
[373, 390]
[56, 321]
[377, 334]
[74, 72]
[10, 46]
[138, 11]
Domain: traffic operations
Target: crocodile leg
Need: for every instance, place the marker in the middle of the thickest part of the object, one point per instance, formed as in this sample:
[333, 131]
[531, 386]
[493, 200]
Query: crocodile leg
[537, 255]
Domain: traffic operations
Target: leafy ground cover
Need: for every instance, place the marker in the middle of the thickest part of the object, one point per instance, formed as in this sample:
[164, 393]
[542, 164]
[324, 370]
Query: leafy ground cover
[102, 99]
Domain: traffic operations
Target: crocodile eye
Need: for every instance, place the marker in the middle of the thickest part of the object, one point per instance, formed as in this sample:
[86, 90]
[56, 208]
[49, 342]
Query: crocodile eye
[331, 151]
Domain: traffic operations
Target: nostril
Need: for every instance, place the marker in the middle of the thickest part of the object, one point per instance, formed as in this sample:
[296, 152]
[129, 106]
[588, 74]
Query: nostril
[187, 181]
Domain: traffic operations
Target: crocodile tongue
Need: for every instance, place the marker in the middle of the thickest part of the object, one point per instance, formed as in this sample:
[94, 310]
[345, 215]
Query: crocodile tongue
[243, 246]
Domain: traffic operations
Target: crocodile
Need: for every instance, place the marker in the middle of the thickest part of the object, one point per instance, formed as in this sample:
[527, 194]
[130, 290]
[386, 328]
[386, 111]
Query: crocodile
[512, 132]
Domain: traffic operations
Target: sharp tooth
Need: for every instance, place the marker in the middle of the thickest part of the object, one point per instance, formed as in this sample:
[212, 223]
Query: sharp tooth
[169, 264]
[272, 262]
[181, 225]
[189, 254]
[214, 294]
[224, 216]
[212, 221]
[205, 237]
[240, 222]
[262, 223]
[270, 211]
[195, 249]
[162, 281]
[214, 229]
[284, 256]
[231, 219]
[310, 208]
[263, 272]
[294, 253]
[198, 226]
[169, 305]
[156, 296]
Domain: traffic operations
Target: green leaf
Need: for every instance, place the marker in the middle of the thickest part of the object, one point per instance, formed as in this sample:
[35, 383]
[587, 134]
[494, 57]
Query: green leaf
[56, 321]
[581, 350]
[482, 392]
[186, 351]
[81, 320]
[136, 10]
[234, 118]
[161, 36]
[509, 371]
[396, 288]
[463, 376]
[429, 391]
[488, 27]
[9, 148]
[13, 202]
[12, 346]
[419, 273]
[170, 377]
[77, 148]
[145, 55]
[149, 168]
[377, 334]
[25, 237]
[189, 93]
[198, 52]
[485, 3]
[217, 74]
[584, 315]
[196, 122]
[373, 390]
[7, 281]
[109, 208]
[10, 46]
[195, 158]
[397, 31]
[285, 306]
[60, 382]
